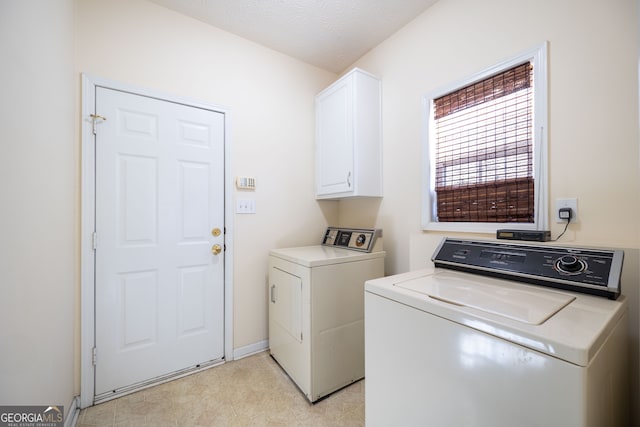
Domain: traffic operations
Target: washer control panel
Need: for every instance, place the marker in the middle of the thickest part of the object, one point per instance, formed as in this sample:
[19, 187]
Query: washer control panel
[593, 271]
[358, 239]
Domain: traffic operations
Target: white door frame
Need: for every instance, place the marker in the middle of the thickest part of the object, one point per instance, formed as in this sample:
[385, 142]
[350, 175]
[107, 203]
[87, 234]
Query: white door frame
[88, 197]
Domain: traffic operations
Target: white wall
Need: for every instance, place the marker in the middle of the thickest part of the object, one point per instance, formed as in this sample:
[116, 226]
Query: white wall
[271, 99]
[38, 170]
[593, 118]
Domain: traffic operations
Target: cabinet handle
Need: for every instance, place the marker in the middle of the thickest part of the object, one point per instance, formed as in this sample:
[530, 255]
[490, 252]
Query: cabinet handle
[349, 179]
[273, 294]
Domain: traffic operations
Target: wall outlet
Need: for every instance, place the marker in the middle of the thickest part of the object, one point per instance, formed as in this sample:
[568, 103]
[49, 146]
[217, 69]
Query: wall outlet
[567, 203]
[245, 206]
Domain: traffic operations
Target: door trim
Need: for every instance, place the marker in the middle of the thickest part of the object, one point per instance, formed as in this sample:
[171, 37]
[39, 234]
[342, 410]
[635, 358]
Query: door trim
[87, 225]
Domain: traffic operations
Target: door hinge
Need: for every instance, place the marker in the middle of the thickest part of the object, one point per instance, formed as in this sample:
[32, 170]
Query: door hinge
[94, 119]
[94, 240]
[94, 356]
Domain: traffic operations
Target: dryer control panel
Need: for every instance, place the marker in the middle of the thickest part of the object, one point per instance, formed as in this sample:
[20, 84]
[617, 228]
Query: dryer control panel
[357, 239]
[592, 271]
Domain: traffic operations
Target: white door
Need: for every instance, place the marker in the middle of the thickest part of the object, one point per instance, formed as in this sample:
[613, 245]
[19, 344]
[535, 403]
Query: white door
[159, 200]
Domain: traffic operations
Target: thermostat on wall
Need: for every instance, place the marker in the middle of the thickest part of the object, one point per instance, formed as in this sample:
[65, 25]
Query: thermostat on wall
[245, 183]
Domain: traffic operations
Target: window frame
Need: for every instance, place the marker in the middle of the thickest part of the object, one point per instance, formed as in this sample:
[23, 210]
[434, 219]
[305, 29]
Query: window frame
[538, 56]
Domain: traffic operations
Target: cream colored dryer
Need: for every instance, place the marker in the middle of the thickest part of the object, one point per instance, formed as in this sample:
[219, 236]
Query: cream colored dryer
[316, 308]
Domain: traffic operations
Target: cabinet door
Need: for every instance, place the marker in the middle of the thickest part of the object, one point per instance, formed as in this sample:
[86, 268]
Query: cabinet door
[334, 140]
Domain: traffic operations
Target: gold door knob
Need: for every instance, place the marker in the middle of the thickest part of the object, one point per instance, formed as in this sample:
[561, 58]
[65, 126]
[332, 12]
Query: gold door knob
[216, 249]
[216, 232]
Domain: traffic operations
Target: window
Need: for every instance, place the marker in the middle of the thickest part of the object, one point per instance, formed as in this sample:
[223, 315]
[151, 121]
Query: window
[485, 149]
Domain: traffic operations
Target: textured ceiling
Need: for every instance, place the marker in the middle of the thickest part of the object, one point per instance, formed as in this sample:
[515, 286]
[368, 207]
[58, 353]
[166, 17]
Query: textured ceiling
[330, 34]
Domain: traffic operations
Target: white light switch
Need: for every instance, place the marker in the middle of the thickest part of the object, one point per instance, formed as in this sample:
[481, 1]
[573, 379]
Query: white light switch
[245, 206]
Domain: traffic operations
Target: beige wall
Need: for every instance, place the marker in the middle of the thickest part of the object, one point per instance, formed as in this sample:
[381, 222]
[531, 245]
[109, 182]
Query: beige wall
[593, 118]
[593, 144]
[270, 97]
[270, 100]
[593, 106]
[38, 171]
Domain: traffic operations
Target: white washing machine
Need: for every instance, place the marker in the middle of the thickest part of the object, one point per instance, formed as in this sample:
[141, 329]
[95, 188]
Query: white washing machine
[316, 308]
[452, 346]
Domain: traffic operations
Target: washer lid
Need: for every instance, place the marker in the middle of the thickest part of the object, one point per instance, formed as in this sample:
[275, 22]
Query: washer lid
[314, 256]
[574, 333]
[522, 305]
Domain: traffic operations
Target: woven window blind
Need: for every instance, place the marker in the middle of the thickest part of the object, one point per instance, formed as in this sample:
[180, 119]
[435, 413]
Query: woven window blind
[484, 150]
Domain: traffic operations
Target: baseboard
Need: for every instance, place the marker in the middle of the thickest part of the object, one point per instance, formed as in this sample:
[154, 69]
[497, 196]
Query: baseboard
[73, 413]
[251, 349]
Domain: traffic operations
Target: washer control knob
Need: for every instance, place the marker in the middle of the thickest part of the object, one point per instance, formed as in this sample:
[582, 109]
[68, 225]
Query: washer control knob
[360, 240]
[570, 264]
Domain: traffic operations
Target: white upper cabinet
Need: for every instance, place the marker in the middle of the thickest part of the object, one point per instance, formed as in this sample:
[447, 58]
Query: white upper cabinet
[349, 138]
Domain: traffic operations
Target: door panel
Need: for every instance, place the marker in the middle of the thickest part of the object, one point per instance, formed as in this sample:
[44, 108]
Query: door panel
[192, 319]
[159, 193]
[194, 190]
[137, 205]
[139, 309]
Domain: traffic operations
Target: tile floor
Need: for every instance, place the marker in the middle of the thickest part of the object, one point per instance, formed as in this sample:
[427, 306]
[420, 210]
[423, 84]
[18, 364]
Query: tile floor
[253, 391]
